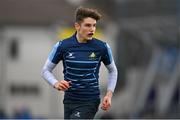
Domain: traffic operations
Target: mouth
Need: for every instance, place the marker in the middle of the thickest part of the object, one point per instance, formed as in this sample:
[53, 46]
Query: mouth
[90, 34]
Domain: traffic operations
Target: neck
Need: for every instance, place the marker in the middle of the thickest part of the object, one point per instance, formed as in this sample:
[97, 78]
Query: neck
[80, 39]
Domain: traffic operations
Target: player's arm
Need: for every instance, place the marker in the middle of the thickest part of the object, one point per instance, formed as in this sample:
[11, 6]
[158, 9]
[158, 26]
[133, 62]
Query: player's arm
[112, 78]
[50, 78]
[50, 64]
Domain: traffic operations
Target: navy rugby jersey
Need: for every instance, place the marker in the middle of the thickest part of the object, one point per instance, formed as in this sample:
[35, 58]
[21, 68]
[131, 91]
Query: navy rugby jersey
[81, 62]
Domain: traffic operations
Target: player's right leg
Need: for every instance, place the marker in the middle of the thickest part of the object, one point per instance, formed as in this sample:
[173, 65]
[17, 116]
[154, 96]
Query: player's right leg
[67, 111]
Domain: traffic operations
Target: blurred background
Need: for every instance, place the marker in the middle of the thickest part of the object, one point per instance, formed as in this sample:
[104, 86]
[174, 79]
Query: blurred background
[144, 36]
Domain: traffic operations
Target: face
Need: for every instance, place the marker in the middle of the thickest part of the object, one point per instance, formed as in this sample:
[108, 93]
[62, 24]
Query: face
[86, 28]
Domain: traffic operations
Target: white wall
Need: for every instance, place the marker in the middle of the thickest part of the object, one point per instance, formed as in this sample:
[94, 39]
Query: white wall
[34, 45]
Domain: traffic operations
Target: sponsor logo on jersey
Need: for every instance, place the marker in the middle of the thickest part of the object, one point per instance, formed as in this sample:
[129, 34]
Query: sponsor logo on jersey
[70, 55]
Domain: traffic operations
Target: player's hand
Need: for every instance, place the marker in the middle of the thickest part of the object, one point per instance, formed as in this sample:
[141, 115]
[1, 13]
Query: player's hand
[62, 85]
[106, 103]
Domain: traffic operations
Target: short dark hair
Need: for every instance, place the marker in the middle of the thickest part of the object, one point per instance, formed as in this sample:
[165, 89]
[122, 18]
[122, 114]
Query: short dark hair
[82, 13]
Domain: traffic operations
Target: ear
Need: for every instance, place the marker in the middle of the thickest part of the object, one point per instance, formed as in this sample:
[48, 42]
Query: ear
[77, 26]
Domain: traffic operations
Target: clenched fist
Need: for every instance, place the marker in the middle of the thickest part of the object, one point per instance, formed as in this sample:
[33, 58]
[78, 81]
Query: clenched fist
[62, 85]
[106, 103]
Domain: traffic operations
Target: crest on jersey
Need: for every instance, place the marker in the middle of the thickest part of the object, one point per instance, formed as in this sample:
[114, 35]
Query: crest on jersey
[92, 56]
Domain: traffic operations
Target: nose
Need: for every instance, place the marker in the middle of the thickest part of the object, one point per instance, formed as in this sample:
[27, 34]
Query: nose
[92, 29]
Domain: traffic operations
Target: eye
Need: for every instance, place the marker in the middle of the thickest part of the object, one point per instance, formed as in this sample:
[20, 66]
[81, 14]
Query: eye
[88, 25]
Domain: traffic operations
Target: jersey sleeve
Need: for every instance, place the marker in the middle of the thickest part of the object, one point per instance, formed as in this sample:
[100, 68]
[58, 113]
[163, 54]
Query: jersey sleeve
[47, 72]
[107, 57]
[56, 53]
